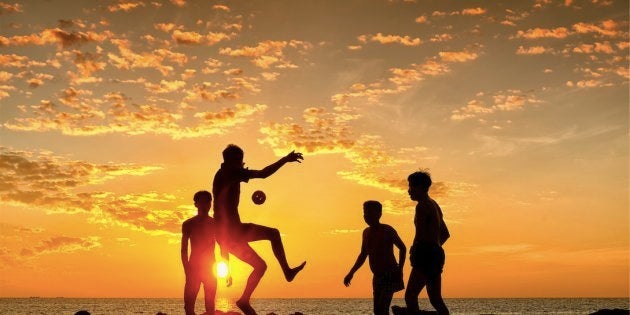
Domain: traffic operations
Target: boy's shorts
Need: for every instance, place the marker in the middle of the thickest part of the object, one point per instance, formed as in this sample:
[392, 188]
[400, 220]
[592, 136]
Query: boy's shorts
[388, 282]
[428, 258]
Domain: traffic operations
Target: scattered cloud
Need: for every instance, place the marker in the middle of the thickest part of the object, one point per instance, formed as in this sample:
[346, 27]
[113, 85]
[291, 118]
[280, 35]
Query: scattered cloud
[535, 33]
[6, 8]
[269, 53]
[533, 50]
[484, 104]
[390, 39]
[125, 6]
[474, 11]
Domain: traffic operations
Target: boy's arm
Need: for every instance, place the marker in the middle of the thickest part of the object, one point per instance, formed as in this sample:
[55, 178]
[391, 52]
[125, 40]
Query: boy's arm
[357, 264]
[225, 257]
[184, 247]
[402, 250]
[272, 168]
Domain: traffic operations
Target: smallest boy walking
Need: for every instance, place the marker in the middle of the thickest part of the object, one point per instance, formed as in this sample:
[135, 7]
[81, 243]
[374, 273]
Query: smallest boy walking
[378, 244]
[200, 230]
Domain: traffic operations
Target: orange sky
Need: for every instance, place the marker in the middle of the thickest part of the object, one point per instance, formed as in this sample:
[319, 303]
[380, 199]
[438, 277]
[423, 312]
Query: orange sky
[113, 113]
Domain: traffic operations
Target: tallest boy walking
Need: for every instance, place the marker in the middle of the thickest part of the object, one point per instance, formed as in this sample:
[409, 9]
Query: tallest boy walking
[426, 253]
[235, 235]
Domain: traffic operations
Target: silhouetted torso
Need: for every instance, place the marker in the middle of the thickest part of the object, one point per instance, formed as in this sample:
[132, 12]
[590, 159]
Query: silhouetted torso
[428, 222]
[202, 239]
[226, 188]
[379, 243]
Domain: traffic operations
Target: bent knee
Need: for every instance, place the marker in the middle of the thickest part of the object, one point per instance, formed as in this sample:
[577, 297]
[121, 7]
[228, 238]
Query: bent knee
[260, 267]
[274, 233]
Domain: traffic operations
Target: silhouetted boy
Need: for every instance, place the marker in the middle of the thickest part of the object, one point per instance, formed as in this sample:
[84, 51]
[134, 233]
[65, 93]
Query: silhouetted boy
[378, 244]
[200, 230]
[426, 253]
[234, 235]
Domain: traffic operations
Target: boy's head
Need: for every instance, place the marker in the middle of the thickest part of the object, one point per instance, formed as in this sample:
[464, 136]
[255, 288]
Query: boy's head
[233, 155]
[203, 201]
[419, 183]
[372, 211]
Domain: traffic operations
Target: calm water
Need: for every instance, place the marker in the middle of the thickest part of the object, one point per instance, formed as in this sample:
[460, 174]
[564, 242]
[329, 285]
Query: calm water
[306, 306]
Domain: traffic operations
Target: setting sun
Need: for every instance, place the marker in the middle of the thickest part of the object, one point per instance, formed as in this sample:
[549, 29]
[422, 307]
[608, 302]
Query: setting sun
[222, 269]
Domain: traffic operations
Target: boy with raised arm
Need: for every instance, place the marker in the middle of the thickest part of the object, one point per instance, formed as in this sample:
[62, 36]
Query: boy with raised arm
[234, 235]
[200, 230]
[426, 253]
[378, 244]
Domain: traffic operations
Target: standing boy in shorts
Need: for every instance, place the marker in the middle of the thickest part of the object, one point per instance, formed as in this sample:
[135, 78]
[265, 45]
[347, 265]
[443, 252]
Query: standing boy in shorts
[378, 242]
[426, 253]
[200, 230]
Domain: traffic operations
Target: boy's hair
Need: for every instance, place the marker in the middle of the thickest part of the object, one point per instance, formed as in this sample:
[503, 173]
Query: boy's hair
[232, 153]
[373, 205]
[420, 178]
[200, 194]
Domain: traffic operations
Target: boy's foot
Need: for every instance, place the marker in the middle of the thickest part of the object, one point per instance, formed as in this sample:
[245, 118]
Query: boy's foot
[246, 307]
[290, 275]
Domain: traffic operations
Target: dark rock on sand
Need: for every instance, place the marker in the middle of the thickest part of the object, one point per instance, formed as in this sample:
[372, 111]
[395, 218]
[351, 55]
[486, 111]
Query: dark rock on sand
[397, 310]
[616, 311]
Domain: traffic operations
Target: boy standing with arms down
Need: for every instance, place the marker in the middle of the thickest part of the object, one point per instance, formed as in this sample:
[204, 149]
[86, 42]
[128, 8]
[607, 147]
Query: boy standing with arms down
[200, 230]
[426, 253]
[378, 242]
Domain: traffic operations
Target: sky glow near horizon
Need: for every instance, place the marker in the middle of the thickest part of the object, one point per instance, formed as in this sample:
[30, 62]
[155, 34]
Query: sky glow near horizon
[113, 113]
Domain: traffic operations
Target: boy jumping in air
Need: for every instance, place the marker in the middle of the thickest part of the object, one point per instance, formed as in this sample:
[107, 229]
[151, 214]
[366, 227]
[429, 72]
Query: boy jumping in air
[234, 236]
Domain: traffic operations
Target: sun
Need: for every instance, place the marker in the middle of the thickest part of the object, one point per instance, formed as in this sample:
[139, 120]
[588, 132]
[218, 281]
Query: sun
[222, 269]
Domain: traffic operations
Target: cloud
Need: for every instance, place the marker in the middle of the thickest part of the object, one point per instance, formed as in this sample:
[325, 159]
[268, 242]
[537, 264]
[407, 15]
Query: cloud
[458, 56]
[421, 19]
[390, 39]
[535, 33]
[506, 101]
[608, 28]
[58, 185]
[166, 27]
[57, 36]
[156, 59]
[194, 38]
[269, 53]
[221, 7]
[533, 50]
[473, 11]
[81, 115]
[63, 245]
[125, 6]
[441, 37]
[6, 8]
[179, 3]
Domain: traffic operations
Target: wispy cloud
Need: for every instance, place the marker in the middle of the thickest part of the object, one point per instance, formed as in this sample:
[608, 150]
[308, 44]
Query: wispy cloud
[269, 53]
[485, 104]
[54, 184]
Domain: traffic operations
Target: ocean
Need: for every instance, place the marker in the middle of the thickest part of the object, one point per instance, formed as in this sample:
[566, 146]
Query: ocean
[306, 306]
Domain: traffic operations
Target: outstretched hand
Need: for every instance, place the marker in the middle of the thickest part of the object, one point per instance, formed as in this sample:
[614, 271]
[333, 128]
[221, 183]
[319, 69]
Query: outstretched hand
[294, 157]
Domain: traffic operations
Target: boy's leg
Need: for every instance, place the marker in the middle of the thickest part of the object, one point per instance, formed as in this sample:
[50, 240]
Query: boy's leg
[191, 288]
[382, 301]
[434, 290]
[254, 232]
[210, 292]
[245, 253]
[414, 286]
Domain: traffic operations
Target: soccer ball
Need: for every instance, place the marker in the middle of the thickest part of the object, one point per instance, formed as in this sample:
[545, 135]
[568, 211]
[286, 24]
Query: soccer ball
[258, 197]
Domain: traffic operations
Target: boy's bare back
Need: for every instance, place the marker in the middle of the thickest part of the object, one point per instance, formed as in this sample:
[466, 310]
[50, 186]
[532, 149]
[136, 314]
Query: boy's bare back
[379, 243]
